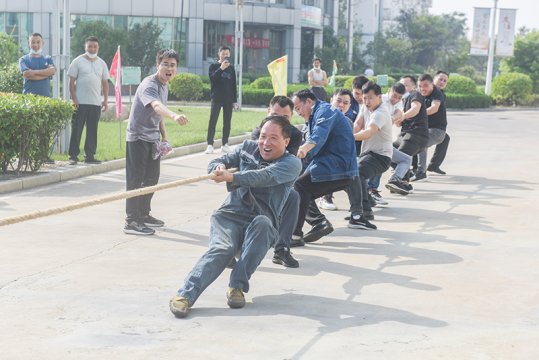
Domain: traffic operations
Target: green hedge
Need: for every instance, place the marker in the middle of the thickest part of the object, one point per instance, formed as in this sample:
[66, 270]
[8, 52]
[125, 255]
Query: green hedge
[27, 126]
[468, 101]
[263, 82]
[458, 84]
[186, 86]
[11, 80]
[512, 89]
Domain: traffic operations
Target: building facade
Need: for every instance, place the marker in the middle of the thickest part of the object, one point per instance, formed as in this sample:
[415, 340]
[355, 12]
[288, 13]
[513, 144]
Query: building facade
[272, 28]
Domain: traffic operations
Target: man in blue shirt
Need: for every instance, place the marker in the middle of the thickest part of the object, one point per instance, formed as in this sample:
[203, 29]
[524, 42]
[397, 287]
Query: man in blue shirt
[36, 69]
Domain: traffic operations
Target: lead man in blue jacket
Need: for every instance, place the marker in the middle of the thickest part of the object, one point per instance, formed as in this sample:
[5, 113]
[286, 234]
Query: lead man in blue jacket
[247, 222]
[329, 155]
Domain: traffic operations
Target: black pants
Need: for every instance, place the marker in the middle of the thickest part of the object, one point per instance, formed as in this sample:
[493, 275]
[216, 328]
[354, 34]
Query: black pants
[440, 152]
[89, 115]
[308, 191]
[141, 170]
[214, 115]
[410, 144]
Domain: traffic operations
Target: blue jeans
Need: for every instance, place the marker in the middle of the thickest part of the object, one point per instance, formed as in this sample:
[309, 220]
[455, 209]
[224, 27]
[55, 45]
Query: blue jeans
[436, 136]
[230, 234]
[402, 161]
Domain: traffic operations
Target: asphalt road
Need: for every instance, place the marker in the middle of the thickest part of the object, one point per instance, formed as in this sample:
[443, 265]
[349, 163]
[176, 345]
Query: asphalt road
[452, 272]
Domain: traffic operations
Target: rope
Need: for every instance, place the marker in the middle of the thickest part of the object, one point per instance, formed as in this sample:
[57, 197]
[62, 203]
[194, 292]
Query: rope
[104, 199]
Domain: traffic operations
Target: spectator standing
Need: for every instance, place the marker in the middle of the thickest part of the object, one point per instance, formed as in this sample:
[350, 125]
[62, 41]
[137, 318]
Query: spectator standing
[223, 95]
[317, 79]
[146, 131]
[88, 79]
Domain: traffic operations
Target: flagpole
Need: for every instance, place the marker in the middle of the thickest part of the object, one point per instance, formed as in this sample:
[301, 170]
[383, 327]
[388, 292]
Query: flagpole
[490, 62]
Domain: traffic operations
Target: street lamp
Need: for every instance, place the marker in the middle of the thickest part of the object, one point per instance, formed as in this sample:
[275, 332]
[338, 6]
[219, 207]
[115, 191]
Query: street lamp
[490, 62]
[238, 45]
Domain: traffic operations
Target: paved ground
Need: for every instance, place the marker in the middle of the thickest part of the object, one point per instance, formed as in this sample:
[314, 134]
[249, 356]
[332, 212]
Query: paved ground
[452, 272]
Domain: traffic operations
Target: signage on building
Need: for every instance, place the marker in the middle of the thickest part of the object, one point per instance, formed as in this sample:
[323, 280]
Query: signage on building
[505, 41]
[480, 34]
[250, 42]
[311, 16]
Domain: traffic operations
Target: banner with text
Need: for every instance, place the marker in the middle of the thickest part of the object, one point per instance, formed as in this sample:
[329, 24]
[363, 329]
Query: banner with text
[505, 40]
[480, 34]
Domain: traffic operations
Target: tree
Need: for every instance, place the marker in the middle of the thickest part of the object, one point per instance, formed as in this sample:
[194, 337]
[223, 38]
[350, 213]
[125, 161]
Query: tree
[143, 45]
[525, 58]
[109, 39]
[9, 50]
[335, 48]
[422, 41]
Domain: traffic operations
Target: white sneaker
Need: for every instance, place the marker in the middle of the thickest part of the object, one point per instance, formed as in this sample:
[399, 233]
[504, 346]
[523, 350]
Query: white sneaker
[209, 149]
[225, 148]
[326, 205]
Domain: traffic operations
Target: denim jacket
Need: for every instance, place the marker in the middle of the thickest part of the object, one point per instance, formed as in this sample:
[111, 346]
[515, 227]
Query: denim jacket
[334, 156]
[259, 187]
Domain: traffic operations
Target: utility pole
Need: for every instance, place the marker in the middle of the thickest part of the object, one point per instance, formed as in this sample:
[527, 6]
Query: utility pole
[350, 35]
[492, 40]
[238, 46]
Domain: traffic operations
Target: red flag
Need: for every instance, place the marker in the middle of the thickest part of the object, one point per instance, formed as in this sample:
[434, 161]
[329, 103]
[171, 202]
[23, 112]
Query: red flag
[116, 78]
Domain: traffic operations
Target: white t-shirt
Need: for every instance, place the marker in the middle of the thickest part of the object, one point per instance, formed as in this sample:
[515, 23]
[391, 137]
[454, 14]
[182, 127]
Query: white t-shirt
[381, 142]
[392, 108]
[88, 76]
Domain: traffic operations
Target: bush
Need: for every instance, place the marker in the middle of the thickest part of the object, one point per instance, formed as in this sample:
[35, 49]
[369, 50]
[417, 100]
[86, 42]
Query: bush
[467, 101]
[11, 80]
[262, 83]
[341, 80]
[256, 96]
[512, 88]
[27, 125]
[458, 84]
[187, 87]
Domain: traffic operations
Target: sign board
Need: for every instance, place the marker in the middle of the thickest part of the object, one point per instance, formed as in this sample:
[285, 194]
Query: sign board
[382, 80]
[480, 34]
[311, 16]
[505, 41]
[131, 75]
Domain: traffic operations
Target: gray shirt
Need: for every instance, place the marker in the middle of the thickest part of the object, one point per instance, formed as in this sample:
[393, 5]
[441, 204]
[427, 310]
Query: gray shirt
[143, 121]
[88, 77]
[381, 142]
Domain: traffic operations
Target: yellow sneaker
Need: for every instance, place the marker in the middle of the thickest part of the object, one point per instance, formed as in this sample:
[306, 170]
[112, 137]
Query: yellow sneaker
[179, 306]
[235, 298]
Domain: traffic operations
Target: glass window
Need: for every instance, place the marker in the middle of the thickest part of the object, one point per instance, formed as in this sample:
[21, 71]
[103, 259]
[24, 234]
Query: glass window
[3, 22]
[215, 35]
[120, 22]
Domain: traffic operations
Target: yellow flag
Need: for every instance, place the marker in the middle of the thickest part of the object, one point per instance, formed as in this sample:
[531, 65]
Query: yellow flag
[278, 71]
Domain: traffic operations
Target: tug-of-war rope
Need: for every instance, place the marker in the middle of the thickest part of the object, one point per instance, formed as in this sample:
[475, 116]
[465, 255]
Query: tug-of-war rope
[104, 199]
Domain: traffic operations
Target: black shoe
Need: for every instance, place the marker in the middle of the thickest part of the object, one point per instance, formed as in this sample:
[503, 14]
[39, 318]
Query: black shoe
[150, 221]
[231, 263]
[73, 161]
[92, 161]
[397, 186]
[368, 214]
[435, 169]
[410, 174]
[284, 257]
[419, 176]
[135, 228]
[372, 202]
[318, 231]
[359, 222]
[297, 241]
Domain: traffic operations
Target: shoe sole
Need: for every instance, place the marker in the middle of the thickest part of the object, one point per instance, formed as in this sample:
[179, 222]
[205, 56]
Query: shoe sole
[318, 236]
[177, 313]
[154, 225]
[134, 232]
[281, 262]
[353, 226]
[235, 305]
[395, 189]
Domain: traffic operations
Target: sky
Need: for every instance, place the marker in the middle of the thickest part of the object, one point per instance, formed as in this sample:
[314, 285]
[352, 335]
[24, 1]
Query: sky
[526, 13]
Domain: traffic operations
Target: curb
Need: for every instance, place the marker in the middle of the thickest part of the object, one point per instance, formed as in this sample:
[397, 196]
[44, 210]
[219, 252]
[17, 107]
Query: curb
[65, 173]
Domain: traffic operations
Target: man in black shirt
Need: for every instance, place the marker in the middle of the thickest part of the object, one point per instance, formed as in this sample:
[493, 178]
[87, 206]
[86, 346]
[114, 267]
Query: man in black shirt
[414, 133]
[437, 120]
[440, 80]
[223, 95]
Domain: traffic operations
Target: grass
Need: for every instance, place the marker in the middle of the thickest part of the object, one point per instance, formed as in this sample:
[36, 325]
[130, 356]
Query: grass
[111, 134]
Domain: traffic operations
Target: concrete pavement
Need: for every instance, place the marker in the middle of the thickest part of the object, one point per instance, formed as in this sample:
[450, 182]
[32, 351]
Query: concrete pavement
[450, 274]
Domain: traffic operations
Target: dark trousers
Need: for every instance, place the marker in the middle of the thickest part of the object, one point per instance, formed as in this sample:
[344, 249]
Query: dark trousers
[410, 144]
[89, 115]
[370, 165]
[440, 152]
[308, 191]
[214, 116]
[289, 219]
[141, 170]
